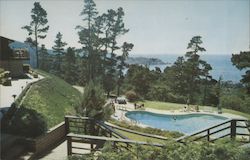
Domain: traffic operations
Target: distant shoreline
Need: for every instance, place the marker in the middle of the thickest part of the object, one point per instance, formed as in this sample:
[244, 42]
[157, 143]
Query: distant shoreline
[221, 64]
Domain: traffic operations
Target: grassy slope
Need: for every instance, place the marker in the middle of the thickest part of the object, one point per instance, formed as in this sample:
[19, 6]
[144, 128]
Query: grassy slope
[176, 106]
[53, 98]
[140, 138]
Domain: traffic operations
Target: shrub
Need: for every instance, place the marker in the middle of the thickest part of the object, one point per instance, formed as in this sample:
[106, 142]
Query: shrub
[131, 96]
[1, 70]
[172, 151]
[6, 74]
[231, 102]
[6, 81]
[26, 122]
[93, 105]
[163, 93]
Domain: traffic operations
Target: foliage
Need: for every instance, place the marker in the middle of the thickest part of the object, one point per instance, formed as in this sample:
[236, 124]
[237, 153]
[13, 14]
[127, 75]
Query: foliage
[173, 151]
[52, 98]
[93, 105]
[38, 26]
[242, 61]
[140, 78]
[187, 80]
[163, 93]
[194, 68]
[26, 122]
[43, 58]
[1, 70]
[131, 96]
[155, 131]
[126, 47]
[69, 66]
[58, 48]
[93, 101]
[98, 37]
[236, 103]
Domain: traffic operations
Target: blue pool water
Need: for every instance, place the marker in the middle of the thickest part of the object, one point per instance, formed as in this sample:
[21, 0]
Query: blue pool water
[182, 123]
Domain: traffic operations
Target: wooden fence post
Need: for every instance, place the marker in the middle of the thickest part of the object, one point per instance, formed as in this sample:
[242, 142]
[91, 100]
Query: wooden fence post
[208, 135]
[91, 146]
[66, 119]
[233, 129]
[69, 146]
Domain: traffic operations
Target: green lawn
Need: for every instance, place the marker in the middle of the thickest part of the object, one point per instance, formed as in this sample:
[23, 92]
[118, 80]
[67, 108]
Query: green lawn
[53, 98]
[162, 105]
[136, 137]
[176, 106]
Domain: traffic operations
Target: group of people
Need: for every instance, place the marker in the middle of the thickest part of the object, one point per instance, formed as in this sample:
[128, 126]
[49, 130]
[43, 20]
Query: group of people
[138, 106]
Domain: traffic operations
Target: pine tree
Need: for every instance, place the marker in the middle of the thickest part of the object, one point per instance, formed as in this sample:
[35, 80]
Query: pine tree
[113, 28]
[58, 49]
[92, 105]
[69, 66]
[87, 36]
[190, 73]
[126, 48]
[242, 61]
[194, 67]
[38, 27]
[43, 58]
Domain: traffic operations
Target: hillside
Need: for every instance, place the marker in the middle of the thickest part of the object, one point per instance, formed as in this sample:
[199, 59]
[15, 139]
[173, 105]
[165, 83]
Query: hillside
[53, 98]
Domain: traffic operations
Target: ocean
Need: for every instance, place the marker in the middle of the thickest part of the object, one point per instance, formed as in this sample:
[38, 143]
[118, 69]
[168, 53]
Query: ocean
[221, 64]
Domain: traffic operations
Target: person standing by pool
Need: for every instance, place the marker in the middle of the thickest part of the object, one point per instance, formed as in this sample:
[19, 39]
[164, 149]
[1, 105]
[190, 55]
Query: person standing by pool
[174, 117]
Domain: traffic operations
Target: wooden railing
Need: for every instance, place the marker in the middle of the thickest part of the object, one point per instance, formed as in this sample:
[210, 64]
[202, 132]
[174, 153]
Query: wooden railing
[77, 132]
[79, 125]
[94, 141]
[229, 126]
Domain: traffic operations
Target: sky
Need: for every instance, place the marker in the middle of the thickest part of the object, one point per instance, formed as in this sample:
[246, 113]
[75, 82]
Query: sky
[156, 26]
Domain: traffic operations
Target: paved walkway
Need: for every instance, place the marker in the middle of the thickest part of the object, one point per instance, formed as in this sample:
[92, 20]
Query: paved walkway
[60, 152]
[7, 92]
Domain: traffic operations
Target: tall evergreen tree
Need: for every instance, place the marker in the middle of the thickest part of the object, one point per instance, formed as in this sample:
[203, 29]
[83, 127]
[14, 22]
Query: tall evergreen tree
[194, 67]
[69, 66]
[190, 73]
[175, 77]
[126, 48]
[140, 78]
[44, 58]
[99, 43]
[58, 49]
[87, 36]
[242, 61]
[38, 27]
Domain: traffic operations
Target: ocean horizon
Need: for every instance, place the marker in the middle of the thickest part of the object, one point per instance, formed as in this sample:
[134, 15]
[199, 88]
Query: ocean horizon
[221, 64]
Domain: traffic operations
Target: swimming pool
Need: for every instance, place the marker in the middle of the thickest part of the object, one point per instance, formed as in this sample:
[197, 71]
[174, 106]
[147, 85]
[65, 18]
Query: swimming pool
[186, 124]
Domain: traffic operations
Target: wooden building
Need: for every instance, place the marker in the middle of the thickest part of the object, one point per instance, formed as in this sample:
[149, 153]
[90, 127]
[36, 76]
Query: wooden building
[12, 59]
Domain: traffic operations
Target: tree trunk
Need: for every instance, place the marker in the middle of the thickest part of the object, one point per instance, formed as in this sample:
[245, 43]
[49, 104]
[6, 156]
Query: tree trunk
[37, 61]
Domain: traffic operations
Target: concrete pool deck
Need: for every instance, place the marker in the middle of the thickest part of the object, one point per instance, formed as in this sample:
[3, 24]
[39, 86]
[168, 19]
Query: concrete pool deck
[121, 109]
[16, 88]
